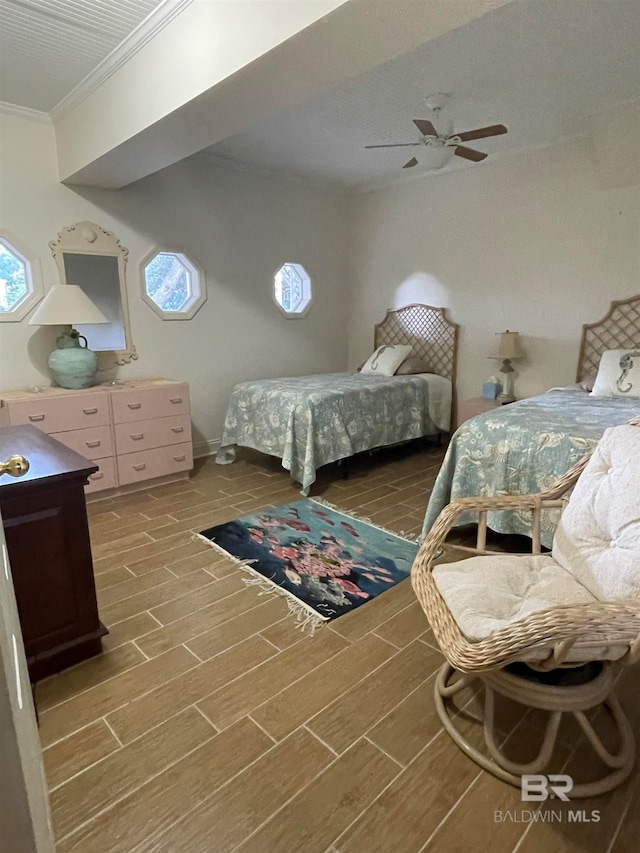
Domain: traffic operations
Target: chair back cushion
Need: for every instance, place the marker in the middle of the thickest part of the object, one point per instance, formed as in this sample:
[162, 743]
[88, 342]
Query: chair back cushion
[598, 537]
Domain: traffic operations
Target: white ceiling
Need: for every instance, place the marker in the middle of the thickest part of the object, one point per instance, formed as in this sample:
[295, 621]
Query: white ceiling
[541, 67]
[48, 46]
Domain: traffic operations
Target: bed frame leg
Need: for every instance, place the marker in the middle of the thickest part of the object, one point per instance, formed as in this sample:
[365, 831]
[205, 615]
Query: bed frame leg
[344, 464]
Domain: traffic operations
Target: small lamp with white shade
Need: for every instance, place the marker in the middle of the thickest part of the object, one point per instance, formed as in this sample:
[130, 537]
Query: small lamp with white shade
[508, 349]
[72, 365]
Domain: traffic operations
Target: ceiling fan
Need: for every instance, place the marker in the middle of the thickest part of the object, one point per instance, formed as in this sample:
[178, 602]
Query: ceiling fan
[438, 137]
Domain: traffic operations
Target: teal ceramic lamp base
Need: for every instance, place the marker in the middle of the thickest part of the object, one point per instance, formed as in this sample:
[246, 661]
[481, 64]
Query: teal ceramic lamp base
[73, 365]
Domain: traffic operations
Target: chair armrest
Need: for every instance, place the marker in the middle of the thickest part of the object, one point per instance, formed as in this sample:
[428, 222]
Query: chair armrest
[447, 518]
[495, 503]
[568, 479]
[548, 499]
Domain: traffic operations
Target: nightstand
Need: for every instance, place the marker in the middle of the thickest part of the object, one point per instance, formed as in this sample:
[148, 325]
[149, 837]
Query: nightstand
[44, 515]
[476, 406]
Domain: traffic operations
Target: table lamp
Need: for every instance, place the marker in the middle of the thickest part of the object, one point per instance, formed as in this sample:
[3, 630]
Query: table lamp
[508, 349]
[72, 365]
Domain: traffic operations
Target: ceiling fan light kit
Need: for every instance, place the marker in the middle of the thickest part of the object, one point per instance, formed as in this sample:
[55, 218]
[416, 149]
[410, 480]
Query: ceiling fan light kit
[439, 142]
[437, 154]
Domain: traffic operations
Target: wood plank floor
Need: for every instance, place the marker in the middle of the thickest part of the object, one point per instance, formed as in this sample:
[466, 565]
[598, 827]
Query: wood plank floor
[210, 724]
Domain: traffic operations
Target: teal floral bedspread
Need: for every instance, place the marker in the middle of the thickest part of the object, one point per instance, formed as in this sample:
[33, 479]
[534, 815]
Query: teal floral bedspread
[520, 449]
[308, 421]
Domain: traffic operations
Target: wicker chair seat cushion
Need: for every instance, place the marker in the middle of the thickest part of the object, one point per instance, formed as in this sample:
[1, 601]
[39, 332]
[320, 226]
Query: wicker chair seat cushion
[486, 594]
[598, 537]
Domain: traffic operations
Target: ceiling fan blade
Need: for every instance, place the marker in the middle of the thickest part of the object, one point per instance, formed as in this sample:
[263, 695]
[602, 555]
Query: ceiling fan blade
[425, 127]
[470, 154]
[482, 132]
[396, 145]
[413, 162]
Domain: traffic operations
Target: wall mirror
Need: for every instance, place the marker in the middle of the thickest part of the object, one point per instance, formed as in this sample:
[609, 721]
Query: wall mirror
[95, 260]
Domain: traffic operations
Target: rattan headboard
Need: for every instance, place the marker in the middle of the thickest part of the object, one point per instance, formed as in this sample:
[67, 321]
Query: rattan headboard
[432, 336]
[620, 329]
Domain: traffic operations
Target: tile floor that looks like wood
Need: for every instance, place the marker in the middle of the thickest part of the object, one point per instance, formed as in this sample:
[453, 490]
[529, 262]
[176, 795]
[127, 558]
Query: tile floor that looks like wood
[210, 724]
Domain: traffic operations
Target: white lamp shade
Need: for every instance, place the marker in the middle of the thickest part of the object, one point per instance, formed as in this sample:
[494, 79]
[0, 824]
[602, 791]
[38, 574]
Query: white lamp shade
[436, 155]
[508, 346]
[64, 305]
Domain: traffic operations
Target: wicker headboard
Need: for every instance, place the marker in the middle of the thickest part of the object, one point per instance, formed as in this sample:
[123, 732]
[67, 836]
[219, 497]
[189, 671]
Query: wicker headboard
[620, 329]
[432, 336]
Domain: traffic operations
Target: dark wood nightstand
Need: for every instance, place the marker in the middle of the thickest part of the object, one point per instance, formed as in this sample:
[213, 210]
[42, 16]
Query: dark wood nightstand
[44, 516]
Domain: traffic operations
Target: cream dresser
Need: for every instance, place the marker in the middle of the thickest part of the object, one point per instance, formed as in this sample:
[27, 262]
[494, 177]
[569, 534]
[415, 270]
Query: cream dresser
[136, 432]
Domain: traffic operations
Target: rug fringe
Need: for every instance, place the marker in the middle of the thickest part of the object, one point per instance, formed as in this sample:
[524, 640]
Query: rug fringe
[240, 563]
[306, 619]
[402, 535]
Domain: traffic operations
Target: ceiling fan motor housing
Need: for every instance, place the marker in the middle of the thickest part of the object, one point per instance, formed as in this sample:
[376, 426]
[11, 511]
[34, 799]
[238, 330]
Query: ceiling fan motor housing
[437, 106]
[437, 101]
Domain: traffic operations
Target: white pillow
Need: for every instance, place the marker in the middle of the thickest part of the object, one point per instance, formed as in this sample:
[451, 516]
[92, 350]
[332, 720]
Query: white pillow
[386, 359]
[618, 374]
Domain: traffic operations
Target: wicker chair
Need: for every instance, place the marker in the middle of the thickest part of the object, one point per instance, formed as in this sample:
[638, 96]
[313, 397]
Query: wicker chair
[549, 631]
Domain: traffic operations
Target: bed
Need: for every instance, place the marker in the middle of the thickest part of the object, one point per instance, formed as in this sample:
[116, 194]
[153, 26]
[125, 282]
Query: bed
[310, 421]
[525, 446]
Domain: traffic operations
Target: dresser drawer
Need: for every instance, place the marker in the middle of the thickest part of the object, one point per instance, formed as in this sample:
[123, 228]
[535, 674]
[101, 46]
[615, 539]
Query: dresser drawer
[147, 403]
[104, 477]
[147, 464]
[58, 414]
[143, 435]
[93, 442]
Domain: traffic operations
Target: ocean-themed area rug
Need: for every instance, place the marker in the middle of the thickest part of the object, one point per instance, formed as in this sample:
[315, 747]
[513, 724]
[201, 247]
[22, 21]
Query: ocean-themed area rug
[326, 562]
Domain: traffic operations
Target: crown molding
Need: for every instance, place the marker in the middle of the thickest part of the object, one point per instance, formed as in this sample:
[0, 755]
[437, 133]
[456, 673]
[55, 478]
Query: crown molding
[146, 30]
[7, 109]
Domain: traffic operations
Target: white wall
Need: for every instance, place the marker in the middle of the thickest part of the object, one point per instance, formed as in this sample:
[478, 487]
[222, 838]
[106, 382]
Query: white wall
[530, 243]
[239, 227]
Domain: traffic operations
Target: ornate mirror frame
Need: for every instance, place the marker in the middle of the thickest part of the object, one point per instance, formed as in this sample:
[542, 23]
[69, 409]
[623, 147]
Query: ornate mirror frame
[87, 238]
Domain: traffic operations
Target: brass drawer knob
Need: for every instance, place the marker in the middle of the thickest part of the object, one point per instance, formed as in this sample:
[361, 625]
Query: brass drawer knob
[15, 466]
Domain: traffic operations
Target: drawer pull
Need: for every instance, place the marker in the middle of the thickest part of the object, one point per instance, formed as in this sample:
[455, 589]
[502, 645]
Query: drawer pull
[180, 458]
[36, 417]
[177, 429]
[137, 436]
[139, 467]
[97, 476]
[95, 443]
[176, 399]
[90, 411]
[134, 405]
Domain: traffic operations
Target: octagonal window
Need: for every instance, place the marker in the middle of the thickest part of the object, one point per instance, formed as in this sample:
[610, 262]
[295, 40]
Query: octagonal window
[292, 289]
[20, 290]
[173, 285]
